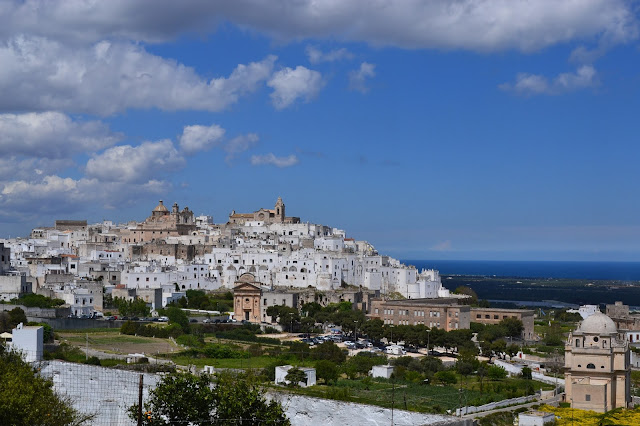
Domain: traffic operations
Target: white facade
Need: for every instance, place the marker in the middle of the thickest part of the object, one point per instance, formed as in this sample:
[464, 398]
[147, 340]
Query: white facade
[29, 340]
[384, 371]
[281, 374]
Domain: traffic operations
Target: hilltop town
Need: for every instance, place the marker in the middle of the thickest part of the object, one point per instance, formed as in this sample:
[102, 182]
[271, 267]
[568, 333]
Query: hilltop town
[173, 251]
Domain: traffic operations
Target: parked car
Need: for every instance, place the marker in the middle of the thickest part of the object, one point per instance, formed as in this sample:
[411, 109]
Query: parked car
[193, 320]
[206, 321]
[163, 319]
[349, 344]
[109, 318]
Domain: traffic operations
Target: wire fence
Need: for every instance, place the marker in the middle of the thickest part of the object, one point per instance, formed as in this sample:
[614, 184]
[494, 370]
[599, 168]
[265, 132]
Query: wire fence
[105, 393]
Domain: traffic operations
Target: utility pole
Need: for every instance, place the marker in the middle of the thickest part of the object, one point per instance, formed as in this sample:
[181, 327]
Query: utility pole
[140, 400]
[86, 355]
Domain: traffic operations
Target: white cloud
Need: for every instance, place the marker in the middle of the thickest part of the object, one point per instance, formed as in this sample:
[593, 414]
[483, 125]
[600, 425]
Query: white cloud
[29, 200]
[52, 135]
[453, 24]
[290, 84]
[139, 164]
[271, 159]
[200, 138]
[358, 78]
[239, 144]
[317, 56]
[105, 78]
[31, 168]
[533, 84]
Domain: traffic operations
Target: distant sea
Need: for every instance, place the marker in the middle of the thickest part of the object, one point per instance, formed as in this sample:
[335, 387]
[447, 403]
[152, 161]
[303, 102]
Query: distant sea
[625, 271]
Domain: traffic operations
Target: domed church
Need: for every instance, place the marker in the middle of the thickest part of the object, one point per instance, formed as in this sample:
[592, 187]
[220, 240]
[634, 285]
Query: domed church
[597, 366]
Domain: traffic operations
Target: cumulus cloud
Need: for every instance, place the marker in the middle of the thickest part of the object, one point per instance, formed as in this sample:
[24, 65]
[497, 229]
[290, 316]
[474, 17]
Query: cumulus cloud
[534, 84]
[453, 24]
[52, 135]
[139, 164]
[358, 78]
[291, 84]
[200, 138]
[271, 159]
[26, 200]
[317, 56]
[105, 78]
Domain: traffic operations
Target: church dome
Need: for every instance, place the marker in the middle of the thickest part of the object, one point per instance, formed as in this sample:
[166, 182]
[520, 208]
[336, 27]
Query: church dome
[160, 208]
[598, 323]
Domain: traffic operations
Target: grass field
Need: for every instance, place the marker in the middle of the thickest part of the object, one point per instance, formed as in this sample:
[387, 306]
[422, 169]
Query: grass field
[416, 396]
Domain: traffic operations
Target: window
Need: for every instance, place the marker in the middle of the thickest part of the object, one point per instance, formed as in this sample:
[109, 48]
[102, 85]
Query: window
[591, 366]
[577, 343]
[478, 316]
[265, 302]
[487, 316]
[595, 339]
[587, 397]
[495, 317]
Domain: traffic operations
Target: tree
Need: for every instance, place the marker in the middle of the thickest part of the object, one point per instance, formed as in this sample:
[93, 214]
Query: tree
[499, 347]
[446, 377]
[26, 398]
[473, 297]
[286, 316]
[374, 329]
[329, 351]
[182, 398]
[295, 376]
[178, 316]
[496, 373]
[17, 316]
[526, 373]
[513, 327]
[482, 372]
[512, 350]
[431, 364]
[327, 371]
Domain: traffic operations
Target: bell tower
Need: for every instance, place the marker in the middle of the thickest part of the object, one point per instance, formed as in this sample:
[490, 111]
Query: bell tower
[280, 215]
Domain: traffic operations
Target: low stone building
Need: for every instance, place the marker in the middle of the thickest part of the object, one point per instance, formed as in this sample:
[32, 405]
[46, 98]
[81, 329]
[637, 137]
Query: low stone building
[495, 315]
[442, 313]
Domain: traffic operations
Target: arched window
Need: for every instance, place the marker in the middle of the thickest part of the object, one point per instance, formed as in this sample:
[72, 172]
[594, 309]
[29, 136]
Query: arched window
[577, 343]
[591, 366]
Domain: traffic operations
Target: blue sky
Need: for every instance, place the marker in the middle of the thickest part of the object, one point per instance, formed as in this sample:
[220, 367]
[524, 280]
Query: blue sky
[435, 130]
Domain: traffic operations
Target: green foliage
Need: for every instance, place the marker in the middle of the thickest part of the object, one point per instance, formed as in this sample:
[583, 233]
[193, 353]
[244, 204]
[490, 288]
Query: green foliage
[9, 320]
[286, 316]
[134, 328]
[29, 399]
[94, 360]
[446, 377]
[327, 371]
[130, 308]
[467, 291]
[182, 398]
[65, 352]
[526, 373]
[476, 327]
[190, 340]
[362, 363]
[431, 364]
[216, 351]
[513, 327]
[300, 350]
[329, 351]
[496, 373]
[178, 316]
[33, 300]
[245, 335]
[564, 316]
[295, 376]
